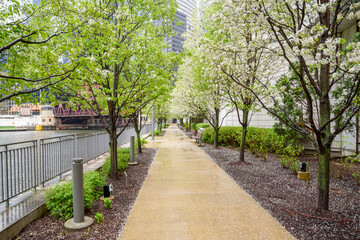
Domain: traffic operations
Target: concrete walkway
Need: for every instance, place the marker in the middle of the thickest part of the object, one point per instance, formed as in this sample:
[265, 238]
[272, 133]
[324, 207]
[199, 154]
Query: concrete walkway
[187, 196]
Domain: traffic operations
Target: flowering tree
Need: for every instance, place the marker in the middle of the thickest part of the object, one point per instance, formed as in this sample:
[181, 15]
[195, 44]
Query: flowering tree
[31, 50]
[307, 36]
[123, 67]
[236, 41]
[206, 96]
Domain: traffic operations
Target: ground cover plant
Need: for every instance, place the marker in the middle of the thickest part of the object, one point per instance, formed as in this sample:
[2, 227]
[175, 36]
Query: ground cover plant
[59, 199]
[157, 132]
[201, 125]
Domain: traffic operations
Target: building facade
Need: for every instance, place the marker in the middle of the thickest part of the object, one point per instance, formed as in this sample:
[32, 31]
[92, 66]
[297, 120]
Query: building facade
[181, 24]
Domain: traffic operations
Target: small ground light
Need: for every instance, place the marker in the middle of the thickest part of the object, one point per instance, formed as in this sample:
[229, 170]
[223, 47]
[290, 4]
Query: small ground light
[106, 191]
[111, 188]
[302, 167]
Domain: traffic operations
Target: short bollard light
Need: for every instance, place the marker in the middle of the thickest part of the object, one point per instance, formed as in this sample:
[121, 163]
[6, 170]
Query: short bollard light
[302, 167]
[79, 221]
[302, 173]
[106, 191]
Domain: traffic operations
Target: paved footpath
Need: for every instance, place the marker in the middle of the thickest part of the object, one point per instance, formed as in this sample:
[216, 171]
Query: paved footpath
[187, 196]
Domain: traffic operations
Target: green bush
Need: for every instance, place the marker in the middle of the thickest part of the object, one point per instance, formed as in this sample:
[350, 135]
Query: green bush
[59, 199]
[202, 125]
[259, 141]
[107, 202]
[157, 132]
[193, 126]
[99, 217]
[123, 157]
[356, 176]
[142, 142]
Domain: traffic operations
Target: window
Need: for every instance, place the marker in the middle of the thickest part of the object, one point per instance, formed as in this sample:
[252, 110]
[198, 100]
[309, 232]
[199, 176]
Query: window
[49, 120]
[43, 120]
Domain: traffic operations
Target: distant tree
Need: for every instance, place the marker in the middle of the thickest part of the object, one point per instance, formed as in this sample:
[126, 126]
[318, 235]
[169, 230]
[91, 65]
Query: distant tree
[236, 42]
[204, 81]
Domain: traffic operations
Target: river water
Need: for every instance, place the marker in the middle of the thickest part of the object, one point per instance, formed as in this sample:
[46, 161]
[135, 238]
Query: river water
[21, 136]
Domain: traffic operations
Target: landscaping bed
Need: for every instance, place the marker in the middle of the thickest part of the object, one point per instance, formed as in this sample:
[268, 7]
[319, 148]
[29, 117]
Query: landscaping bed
[114, 218]
[292, 201]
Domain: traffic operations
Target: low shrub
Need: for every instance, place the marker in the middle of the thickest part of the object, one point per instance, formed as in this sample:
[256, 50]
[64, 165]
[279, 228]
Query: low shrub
[340, 169]
[107, 202]
[228, 136]
[142, 142]
[123, 157]
[356, 176]
[193, 126]
[201, 125]
[156, 132]
[99, 217]
[294, 164]
[59, 199]
[288, 157]
[258, 140]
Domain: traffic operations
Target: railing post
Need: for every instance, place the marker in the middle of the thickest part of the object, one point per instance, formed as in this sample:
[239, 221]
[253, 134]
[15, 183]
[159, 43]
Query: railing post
[36, 164]
[153, 122]
[60, 157]
[76, 152]
[86, 148]
[42, 162]
[7, 177]
[95, 140]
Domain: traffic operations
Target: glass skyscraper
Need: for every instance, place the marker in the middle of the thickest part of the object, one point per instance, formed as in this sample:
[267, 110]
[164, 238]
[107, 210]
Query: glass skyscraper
[183, 13]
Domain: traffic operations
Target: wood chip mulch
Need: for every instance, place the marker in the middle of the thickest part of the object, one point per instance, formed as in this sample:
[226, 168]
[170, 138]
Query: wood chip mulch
[292, 201]
[114, 219]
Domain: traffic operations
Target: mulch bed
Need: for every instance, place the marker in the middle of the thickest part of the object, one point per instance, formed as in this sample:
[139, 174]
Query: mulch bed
[292, 201]
[114, 219]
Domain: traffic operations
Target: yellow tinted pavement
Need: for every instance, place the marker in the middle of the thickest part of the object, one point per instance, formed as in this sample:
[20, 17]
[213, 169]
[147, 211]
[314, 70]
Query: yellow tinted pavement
[187, 196]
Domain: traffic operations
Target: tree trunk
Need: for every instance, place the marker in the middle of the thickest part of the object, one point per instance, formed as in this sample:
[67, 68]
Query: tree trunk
[243, 134]
[216, 137]
[323, 178]
[189, 124]
[324, 146]
[137, 131]
[113, 153]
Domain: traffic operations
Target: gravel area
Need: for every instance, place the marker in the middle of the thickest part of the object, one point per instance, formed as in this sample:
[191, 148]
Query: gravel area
[292, 201]
[114, 218]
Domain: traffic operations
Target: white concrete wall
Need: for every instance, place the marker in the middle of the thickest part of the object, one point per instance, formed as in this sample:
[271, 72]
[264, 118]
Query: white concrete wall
[260, 119]
[19, 121]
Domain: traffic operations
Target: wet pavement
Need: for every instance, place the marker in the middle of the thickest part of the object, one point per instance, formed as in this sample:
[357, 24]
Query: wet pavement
[187, 196]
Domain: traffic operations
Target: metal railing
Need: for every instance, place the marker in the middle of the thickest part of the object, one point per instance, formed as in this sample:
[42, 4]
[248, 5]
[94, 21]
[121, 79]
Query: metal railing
[26, 165]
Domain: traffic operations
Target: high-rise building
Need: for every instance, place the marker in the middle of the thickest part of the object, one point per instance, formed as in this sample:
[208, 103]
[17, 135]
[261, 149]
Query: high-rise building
[182, 24]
